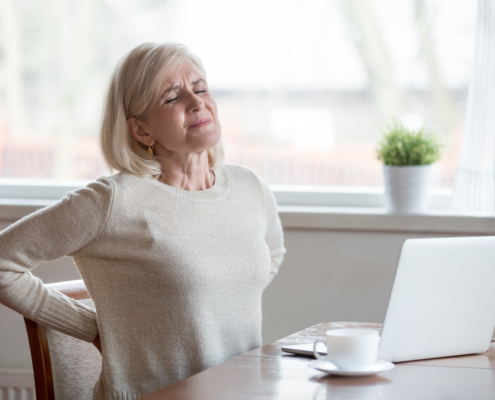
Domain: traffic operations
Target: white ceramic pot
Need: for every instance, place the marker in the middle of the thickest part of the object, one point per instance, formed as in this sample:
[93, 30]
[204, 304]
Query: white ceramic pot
[406, 188]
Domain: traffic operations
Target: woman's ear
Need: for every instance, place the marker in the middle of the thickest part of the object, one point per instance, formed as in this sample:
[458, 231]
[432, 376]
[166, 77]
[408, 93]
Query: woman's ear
[135, 128]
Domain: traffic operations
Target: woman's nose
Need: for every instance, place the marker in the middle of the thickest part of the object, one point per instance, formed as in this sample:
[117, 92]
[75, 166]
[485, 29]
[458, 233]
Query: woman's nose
[195, 103]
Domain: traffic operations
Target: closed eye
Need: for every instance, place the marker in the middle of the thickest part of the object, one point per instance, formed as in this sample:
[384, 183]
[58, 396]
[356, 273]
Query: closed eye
[175, 98]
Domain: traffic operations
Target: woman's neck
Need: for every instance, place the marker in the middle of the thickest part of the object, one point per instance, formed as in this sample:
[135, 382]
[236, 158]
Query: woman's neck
[192, 175]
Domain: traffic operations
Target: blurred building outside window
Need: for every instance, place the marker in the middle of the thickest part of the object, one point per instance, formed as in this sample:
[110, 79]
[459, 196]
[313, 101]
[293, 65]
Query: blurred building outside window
[304, 88]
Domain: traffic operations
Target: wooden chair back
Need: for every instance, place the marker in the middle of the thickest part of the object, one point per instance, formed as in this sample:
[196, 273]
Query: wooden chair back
[39, 339]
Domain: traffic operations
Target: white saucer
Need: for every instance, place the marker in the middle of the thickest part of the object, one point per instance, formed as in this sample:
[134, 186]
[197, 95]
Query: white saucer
[329, 368]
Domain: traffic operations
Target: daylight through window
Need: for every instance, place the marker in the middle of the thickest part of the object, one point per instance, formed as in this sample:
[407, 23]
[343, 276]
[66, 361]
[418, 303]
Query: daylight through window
[304, 88]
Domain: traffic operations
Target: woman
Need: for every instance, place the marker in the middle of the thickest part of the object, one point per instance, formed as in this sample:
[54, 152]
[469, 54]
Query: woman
[175, 249]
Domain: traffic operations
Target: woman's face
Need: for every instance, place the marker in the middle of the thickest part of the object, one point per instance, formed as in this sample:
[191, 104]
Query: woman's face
[184, 118]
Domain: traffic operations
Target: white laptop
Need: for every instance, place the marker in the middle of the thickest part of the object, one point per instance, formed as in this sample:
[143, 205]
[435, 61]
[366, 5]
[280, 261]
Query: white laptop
[442, 302]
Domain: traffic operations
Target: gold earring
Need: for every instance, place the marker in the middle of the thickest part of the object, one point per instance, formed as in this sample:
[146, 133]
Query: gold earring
[150, 151]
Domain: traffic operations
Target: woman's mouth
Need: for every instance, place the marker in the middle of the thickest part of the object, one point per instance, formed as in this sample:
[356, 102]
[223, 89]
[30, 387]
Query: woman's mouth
[201, 122]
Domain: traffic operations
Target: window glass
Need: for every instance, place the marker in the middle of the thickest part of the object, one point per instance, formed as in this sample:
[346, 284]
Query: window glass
[304, 88]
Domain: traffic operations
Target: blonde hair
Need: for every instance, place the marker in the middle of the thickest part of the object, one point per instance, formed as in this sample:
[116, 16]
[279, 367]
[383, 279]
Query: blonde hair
[133, 89]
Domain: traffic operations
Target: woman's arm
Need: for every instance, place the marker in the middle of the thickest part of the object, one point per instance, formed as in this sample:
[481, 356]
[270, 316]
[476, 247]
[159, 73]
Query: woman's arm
[274, 234]
[67, 227]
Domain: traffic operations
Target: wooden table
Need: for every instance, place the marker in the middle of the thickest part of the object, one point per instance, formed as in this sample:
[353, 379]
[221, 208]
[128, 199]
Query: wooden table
[269, 373]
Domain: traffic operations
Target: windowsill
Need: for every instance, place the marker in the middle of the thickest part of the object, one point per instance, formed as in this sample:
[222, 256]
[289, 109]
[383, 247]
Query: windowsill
[374, 219]
[365, 219]
[301, 207]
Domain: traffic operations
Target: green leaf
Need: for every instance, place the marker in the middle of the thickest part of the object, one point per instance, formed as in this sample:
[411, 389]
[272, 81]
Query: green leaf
[400, 146]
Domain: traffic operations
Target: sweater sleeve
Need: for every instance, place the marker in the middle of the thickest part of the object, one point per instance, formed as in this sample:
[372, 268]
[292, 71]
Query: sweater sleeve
[274, 235]
[64, 228]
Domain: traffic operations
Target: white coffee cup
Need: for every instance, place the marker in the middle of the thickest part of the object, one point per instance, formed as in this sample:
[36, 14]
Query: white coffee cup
[350, 349]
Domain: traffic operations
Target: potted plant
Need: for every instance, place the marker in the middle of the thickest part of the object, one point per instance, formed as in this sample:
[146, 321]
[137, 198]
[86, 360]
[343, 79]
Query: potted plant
[407, 156]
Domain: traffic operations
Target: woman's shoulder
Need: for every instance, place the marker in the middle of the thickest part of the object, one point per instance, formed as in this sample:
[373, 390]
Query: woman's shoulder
[246, 175]
[118, 180]
[105, 186]
[241, 171]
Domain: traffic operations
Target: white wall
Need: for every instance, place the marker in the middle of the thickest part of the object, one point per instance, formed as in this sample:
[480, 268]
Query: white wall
[332, 276]
[339, 266]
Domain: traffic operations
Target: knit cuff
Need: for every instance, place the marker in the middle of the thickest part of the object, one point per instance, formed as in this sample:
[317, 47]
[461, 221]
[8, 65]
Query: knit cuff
[70, 317]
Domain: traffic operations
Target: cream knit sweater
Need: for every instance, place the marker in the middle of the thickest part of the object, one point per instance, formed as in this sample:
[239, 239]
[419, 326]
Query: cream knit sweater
[176, 275]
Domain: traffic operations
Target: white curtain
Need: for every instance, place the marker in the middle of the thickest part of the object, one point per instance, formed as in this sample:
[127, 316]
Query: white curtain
[474, 186]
